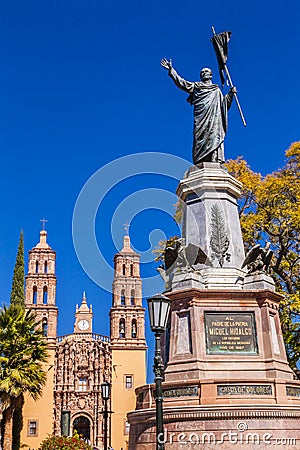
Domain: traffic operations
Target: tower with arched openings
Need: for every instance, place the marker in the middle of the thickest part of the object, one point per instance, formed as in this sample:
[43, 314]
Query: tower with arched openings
[40, 296]
[127, 338]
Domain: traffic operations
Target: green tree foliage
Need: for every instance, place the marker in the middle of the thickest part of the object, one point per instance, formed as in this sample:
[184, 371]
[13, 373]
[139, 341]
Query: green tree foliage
[23, 349]
[159, 252]
[17, 296]
[270, 212]
[64, 443]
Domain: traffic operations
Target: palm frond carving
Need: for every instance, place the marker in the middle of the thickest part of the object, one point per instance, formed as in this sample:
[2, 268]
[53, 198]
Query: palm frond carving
[219, 241]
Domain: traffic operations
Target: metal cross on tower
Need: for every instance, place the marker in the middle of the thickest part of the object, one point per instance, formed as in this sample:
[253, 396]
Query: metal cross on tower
[126, 228]
[43, 223]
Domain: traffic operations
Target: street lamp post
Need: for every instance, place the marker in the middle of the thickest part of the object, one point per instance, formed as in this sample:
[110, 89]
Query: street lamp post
[159, 309]
[105, 392]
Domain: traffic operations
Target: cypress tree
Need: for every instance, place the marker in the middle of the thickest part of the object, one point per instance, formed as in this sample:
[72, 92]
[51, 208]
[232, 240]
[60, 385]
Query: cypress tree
[17, 296]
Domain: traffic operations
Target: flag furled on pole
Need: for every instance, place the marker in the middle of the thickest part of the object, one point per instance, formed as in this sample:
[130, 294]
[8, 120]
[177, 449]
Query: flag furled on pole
[220, 43]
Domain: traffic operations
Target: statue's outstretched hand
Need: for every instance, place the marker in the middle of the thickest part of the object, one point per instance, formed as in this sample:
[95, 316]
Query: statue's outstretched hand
[166, 64]
[233, 90]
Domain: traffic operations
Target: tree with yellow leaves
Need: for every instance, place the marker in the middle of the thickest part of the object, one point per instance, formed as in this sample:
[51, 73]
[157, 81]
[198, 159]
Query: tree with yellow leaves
[270, 212]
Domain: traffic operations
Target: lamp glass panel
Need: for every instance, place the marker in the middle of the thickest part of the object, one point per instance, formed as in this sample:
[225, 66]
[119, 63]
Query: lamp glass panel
[150, 307]
[156, 313]
[105, 390]
[165, 306]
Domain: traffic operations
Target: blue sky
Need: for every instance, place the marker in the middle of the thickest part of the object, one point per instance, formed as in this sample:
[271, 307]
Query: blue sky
[81, 86]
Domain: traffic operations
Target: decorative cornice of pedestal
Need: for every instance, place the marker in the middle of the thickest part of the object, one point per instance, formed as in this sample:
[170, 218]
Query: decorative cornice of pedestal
[210, 278]
[207, 177]
[259, 280]
[187, 280]
[222, 278]
[217, 412]
[235, 297]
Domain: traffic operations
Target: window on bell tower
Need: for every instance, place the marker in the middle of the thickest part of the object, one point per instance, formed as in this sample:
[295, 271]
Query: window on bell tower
[124, 269]
[36, 267]
[131, 270]
[133, 329]
[122, 328]
[123, 297]
[132, 296]
[45, 327]
[34, 295]
[45, 295]
[46, 267]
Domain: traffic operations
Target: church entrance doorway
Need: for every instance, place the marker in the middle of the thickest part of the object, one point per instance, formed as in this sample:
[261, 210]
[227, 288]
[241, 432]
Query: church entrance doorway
[82, 425]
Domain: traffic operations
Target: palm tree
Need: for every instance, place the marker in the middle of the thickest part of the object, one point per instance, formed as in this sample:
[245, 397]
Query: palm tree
[23, 349]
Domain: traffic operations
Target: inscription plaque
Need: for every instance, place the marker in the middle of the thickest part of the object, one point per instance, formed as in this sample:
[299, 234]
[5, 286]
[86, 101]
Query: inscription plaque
[189, 391]
[244, 389]
[230, 332]
[293, 391]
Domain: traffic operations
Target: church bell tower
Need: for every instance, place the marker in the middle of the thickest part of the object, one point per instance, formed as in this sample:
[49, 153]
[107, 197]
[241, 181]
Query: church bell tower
[41, 287]
[127, 337]
[40, 297]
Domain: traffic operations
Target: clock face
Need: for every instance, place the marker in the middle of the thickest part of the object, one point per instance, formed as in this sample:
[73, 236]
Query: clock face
[83, 325]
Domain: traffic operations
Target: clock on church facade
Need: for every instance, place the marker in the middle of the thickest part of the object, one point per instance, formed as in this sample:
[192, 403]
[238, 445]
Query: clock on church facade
[83, 317]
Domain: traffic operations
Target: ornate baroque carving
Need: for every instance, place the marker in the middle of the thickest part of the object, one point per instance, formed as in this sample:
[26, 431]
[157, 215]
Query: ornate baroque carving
[80, 357]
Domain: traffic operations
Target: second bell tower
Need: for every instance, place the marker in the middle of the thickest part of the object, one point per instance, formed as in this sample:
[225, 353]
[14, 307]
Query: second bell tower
[128, 344]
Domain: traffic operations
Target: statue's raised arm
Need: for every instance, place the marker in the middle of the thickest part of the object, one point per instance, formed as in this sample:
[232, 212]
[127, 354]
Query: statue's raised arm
[180, 82]
[210, 113]
[166, 64]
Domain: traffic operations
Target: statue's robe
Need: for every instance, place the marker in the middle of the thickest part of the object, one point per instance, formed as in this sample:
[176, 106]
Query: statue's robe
[210, 117]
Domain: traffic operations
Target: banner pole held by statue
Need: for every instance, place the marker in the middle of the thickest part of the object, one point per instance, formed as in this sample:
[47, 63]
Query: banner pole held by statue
[220, 44]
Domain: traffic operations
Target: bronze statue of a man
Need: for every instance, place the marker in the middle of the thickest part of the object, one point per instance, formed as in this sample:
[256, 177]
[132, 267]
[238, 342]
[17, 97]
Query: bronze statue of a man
[210, 113]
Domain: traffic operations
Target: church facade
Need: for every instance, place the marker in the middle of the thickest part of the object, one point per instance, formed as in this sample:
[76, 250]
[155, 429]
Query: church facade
[80, 362]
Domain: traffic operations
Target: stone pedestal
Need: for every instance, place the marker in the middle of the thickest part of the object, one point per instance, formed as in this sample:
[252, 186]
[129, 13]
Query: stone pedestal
[227, 380]
[210, 197]
[217, 334]
[259, 280]
[222, 427]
